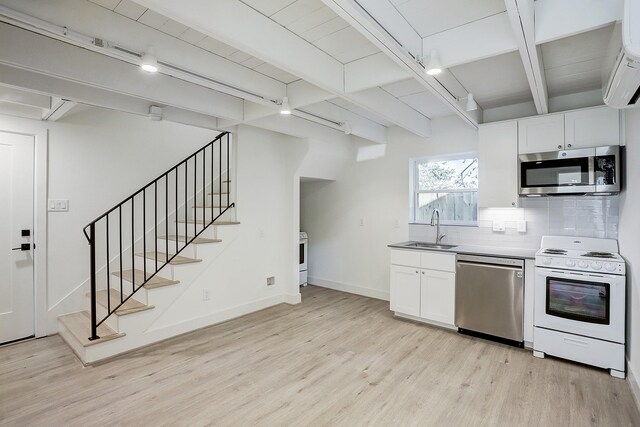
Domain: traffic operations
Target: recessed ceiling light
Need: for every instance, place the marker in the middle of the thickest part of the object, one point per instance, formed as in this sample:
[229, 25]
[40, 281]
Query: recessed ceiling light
[285, 108]
[148, 61]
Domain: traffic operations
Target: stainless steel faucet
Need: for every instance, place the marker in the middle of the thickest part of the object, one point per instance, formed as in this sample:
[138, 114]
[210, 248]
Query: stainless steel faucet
[435, 218]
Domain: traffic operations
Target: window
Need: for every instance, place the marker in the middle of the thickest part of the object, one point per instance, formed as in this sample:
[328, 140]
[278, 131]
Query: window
[447, 184]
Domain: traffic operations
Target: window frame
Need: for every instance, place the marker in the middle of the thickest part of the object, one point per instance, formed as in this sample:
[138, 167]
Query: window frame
[414, 191]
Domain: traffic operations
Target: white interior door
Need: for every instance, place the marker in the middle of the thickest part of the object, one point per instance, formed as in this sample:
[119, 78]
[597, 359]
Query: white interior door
[16, 266]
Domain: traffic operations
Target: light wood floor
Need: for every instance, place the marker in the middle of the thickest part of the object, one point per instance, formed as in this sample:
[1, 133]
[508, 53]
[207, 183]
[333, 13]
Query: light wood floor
[335, 359]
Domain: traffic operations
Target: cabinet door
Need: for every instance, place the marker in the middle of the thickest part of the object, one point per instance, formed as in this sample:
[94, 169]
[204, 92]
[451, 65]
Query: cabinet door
[594, 127]
[405, 290]
[437, 296]
[540, 134]
[498, 165]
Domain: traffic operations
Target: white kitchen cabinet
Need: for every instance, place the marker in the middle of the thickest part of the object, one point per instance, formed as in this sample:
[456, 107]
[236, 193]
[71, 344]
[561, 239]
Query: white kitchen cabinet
[498, 165]
[424, 289]
[541, 133]
[593, 127]
[437, 296]
[405, 290]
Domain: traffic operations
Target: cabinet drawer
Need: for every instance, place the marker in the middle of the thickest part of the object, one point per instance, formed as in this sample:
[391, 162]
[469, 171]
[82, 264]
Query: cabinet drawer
[408, 258]
[438, 261]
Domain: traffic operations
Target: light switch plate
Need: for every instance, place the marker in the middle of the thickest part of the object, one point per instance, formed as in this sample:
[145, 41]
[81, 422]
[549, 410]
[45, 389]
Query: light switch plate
[522, 226]
[58, 205]
[498, 226]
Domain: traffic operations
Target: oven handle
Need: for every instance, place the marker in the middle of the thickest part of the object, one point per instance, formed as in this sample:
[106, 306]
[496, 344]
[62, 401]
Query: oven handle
[576, 275]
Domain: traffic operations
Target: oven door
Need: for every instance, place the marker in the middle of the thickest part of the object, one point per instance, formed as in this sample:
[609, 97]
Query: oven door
[303, 252]
[558, 172]
[586, 304]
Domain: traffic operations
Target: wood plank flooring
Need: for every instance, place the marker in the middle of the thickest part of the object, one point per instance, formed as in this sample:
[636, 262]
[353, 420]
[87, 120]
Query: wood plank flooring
[336, 359]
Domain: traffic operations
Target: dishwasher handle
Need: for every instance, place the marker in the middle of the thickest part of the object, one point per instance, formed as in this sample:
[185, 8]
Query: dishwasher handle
[483, 260]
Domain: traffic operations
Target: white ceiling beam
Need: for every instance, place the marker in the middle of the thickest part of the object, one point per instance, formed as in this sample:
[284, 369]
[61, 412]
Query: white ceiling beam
[35, 52]
[522, 18]
[556, 19]
[59, 107]
[372, 71]
[368, 25]
[474, 41]
[89, 95]
[360, 126]
[235, 23]
[241, 26]
[18, 96]
[95, 21]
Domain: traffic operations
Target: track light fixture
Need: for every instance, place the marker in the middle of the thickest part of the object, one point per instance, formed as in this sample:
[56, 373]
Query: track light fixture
[433, 67]
[346, 127]
[471, 103]
[285, 108]
[148, 61]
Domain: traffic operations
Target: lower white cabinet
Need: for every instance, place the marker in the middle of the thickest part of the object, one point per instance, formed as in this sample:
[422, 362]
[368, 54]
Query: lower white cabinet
[405, 290]
[425, 293]
[437, 296]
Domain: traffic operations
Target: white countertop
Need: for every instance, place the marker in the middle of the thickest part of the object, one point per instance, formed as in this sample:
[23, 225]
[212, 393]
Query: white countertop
[474, 250]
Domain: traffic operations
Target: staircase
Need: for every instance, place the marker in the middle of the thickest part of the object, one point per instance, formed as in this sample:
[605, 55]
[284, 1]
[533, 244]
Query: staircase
[142, 247]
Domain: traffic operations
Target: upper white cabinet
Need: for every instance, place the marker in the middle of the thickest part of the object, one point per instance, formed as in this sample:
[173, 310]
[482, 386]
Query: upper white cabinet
[498, 165]
[594, 127]
[541, 133]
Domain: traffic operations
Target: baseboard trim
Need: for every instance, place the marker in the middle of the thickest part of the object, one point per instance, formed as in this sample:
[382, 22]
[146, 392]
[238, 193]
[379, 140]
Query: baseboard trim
[633, 384]
[352, 289]
[292, 298]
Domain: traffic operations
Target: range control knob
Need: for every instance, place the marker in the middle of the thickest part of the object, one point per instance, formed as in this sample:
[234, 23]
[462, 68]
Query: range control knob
[570, 263]
[583, 264]
[609, 266]
[546, 261]
[596, 265]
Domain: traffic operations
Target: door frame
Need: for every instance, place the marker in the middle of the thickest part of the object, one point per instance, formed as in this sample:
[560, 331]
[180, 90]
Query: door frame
[40, 135]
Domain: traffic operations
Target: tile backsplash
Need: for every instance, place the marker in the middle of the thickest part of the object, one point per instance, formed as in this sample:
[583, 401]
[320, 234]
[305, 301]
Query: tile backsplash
[585, 216]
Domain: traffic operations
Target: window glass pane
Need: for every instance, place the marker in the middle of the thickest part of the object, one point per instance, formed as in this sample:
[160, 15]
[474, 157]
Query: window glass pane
[447, 174]
[454, 207]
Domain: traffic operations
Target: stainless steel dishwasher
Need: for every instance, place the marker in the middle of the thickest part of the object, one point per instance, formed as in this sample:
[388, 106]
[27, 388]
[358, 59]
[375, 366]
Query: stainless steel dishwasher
[489, 297]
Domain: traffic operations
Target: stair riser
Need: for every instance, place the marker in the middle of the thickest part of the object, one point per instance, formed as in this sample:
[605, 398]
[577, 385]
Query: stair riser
[127, 287]
[208, 214]
[101, 312]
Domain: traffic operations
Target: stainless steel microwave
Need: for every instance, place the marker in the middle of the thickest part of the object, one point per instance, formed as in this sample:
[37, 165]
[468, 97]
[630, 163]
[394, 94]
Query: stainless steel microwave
[580, 171]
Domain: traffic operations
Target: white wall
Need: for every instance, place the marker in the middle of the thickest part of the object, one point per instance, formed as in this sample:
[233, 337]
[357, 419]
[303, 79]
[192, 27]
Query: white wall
[630, 242]
[346, 255]
[97, 157]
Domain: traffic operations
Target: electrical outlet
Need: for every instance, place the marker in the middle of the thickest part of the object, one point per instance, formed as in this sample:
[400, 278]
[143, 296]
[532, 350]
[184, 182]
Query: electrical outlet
[499, 226]
[205, 295]
[361, 222]
[271, 281]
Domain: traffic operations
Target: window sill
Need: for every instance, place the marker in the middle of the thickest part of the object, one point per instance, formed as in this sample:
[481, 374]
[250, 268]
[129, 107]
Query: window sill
[448, 224]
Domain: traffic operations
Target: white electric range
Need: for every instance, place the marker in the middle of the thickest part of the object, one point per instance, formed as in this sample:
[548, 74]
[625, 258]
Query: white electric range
[579, 311]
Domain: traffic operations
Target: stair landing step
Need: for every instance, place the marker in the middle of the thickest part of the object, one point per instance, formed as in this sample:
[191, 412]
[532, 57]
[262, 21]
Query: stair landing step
[199, 221]
[131, 306]
[155, 282]
[79, 325]
[198, 240]
[162, 257]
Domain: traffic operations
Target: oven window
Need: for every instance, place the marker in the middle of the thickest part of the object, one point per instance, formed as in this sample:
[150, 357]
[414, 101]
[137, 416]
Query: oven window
[301, 253]
[578, 300]
[554, 173]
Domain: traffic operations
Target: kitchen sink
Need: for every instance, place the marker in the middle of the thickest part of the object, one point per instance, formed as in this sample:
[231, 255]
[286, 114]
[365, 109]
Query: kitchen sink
[429, 245]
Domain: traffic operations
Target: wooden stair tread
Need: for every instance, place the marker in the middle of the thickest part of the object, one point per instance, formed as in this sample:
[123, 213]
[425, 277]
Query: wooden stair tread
[130, 306]
[155, 282]
[215, 207]
[199, 221]
[198, 240]
[79, 325]
[162, 257]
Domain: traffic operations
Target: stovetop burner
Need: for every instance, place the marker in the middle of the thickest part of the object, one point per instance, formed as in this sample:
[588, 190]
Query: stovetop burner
[552, 251]
[598, 255]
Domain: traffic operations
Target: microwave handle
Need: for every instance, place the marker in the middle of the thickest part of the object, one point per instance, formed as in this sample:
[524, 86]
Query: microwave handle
[592, 170]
